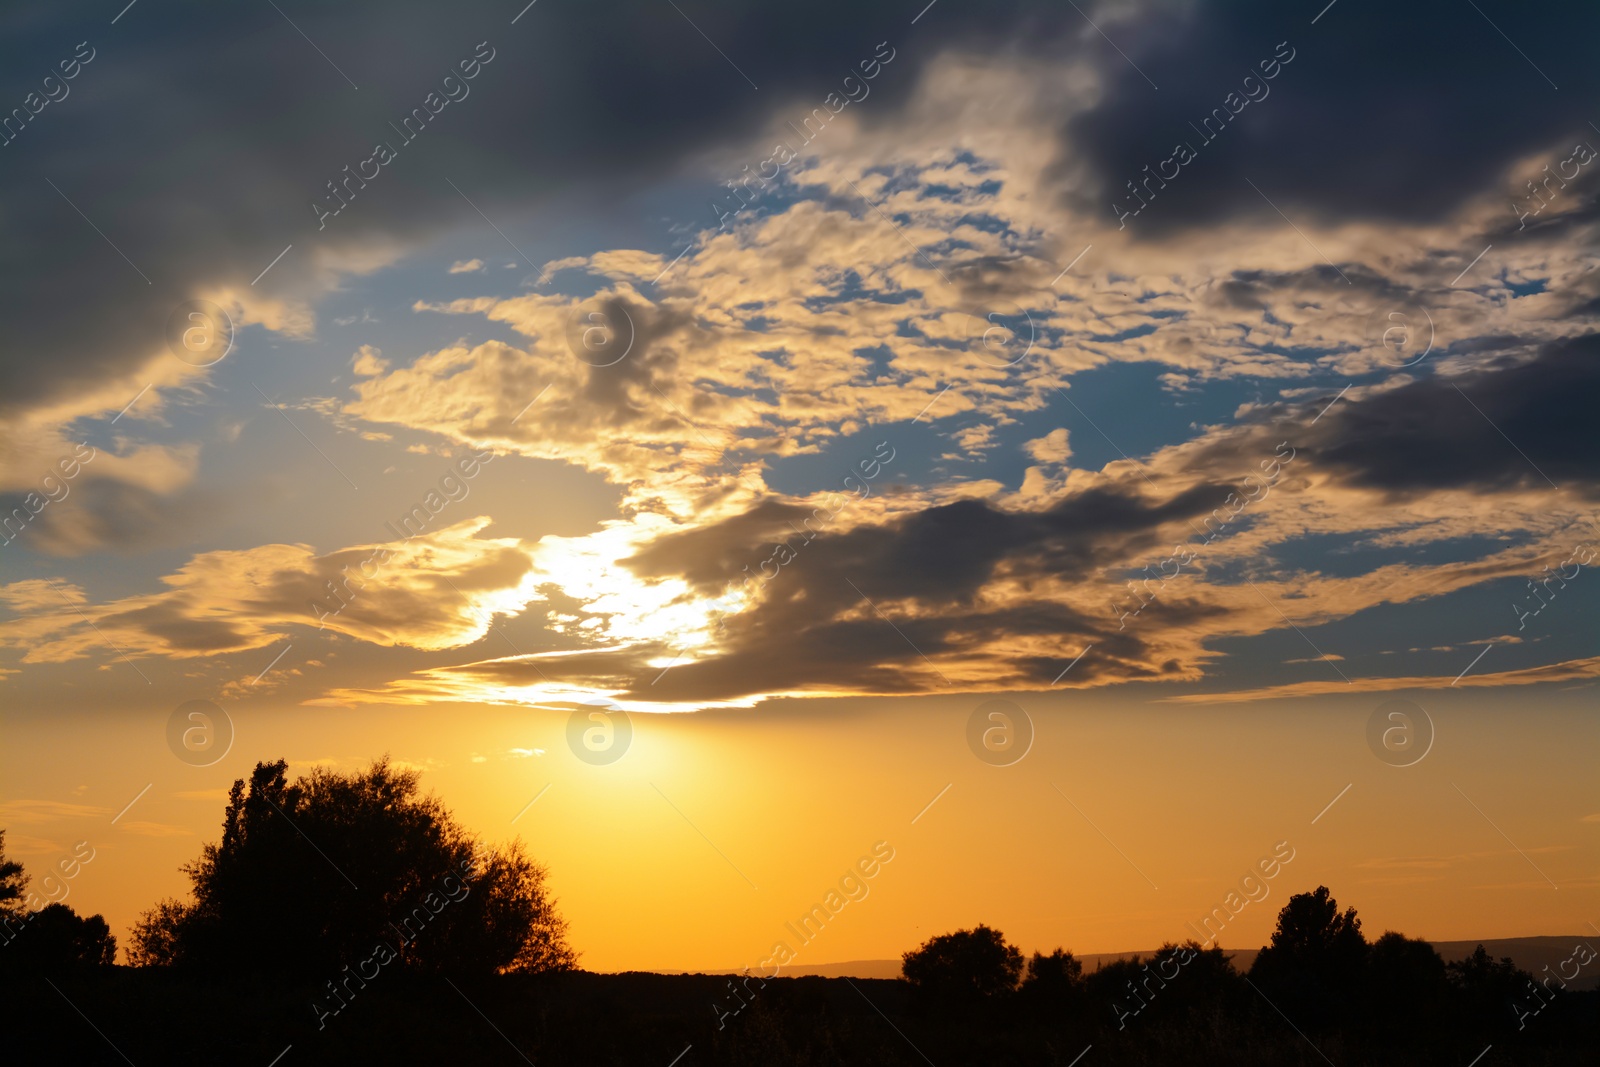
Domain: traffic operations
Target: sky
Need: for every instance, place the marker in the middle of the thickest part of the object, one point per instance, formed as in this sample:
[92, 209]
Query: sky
[1076, 450]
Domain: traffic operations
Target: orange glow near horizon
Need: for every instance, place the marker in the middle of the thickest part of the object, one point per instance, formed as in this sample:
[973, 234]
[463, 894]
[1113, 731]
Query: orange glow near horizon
[1124, 824]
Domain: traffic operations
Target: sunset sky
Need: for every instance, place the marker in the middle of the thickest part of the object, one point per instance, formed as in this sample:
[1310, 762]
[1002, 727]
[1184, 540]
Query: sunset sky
[1208, 382]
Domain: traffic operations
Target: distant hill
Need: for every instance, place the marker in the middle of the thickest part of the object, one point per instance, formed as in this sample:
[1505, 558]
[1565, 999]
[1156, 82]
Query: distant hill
[1532, 954]
[847, 969]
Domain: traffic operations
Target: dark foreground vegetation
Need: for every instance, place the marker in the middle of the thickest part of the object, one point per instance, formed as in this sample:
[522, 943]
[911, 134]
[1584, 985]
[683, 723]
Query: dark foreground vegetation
[420, 945]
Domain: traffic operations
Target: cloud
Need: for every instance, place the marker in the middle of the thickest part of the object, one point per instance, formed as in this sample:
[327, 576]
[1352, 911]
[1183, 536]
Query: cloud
[987, 586]
[857, 293]
[1089, 114]
[436, 590]
[24, 812]
[1459, 429]
[1051, 448]
[1570, 670]
[466, 266]
[151, 94]
[983, 592]
[1447, 146]
[67, 497]
[368, 362]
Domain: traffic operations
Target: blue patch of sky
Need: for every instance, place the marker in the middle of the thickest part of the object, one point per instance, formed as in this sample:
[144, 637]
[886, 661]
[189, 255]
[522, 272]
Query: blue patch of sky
[879, 360]
[1125, 400]
[1128, 404]
[852, 289]
[985, 222]
[1338, 556]
[1426, 637]
[915, 445]
[956, 194]
[1143, 330]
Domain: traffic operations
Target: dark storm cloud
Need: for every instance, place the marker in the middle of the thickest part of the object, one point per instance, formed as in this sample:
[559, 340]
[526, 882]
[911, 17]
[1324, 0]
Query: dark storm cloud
[813, 628]
[1522, 415]
[643, 361]
[799, 640]
[797, 646]
[1396, 111]
[939, 556]
[804, 651]
[817, 634]
[1508, 426]
[199, 135]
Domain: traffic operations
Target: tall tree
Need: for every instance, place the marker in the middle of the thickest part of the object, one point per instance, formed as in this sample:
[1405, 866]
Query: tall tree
[1312, 932]
[1316, 959]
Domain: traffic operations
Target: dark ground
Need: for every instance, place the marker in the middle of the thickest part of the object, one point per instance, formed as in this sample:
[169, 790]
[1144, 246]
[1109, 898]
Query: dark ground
[646, 1019]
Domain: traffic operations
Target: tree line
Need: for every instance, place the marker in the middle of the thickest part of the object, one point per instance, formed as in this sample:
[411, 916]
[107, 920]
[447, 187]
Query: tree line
[1319, 974]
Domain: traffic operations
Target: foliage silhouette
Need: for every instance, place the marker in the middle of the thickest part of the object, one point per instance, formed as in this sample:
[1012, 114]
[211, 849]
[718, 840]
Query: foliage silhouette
[1198, 1011]
[55, 939]
[1405, 971]
[310, 876]
[1488, 987]
[1312, 934]
[1205, 979]
[1053, 982]
[1316, 958]
[13, 884]
[963, 969]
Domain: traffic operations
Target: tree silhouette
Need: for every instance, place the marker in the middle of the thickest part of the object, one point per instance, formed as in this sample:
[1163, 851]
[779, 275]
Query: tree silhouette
[1053, 988]
[1205, 979]
[1488, 988]
[966, 968]
[1175, 981]
[1408, 972]
[1115, 985]
[13, 884]
[1316, 957]
[13, 896]
[961, 1001]
[316, 874]
[51, 940]
[58, 939]
[1057, 975]
[1312, 933]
